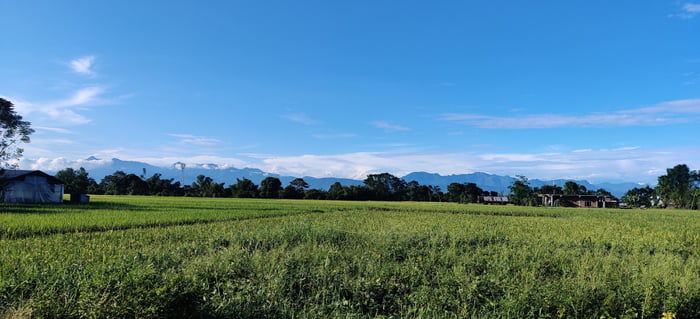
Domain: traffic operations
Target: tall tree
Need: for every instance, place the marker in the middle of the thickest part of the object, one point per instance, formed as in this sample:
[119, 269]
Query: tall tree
[521, 193]
[75, 181]
[640, 197]
[675, 187]
[244, 188]
[270, 187]
[572, 188]
[295, 189]
[336, 191]
[13, 130]
[385, 186]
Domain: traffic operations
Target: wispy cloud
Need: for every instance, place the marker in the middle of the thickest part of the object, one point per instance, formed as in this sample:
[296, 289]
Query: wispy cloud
[65, 111]
[196, 140]
[83, 65]
[299, 118]
[660, 114]
[53, 129]
[688, 11]
[389, 127]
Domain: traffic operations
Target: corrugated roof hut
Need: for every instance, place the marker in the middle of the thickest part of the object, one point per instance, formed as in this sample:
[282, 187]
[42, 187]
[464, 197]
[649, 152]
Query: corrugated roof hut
[21, 186]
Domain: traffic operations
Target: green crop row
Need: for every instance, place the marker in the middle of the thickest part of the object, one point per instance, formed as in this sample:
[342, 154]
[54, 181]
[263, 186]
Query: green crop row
[355, 260]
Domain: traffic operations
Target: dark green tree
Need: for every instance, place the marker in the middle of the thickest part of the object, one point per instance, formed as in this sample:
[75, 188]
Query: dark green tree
[75, 181]
[417, 192]
[640, 197]
[314, 194]
[295, 189]
[163, 187]
[573, 188]
[385, 186]
[244, 188]
[464, 193]
[335, 191]
[121, 183]
[206, 187]
[270, 187]
[521, 193]
[550, 189]
[675, 187]
[13, 131]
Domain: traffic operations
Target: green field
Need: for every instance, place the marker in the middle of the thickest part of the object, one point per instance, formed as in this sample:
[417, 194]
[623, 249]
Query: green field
[161, 257]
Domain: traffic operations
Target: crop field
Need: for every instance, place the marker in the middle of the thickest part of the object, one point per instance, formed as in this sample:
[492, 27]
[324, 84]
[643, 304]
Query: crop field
[164, 257]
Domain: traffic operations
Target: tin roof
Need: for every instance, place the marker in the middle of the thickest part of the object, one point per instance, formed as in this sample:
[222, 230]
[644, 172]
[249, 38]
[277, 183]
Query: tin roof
[17, 174]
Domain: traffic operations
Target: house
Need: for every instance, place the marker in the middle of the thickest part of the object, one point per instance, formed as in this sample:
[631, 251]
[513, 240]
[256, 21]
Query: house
[587, 201]
[20, 186]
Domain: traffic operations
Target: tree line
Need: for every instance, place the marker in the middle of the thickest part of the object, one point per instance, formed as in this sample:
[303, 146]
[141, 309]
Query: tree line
[679, 188]
[380, 187]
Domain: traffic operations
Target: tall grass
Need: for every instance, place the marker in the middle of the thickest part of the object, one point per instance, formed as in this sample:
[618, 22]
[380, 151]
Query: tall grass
[356, 260]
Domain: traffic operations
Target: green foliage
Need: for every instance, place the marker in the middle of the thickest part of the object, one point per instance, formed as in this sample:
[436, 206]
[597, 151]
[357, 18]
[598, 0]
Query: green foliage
[244, 188]
[521, 192]
[679, 186]
[75, 181]
[13, 130]
[385, 186]
[270, 187]
[463, 193]
[640, 197]
[310, 259]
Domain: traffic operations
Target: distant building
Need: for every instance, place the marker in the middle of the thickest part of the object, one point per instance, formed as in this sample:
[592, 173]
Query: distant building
[20, 186]
[589, 201]
[501, 200]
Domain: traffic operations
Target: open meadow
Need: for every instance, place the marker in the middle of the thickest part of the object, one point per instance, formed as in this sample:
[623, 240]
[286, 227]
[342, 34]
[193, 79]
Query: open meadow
[166, 257]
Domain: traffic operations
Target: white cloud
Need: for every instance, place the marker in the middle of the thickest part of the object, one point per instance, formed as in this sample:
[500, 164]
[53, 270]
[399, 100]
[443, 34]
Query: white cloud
[389, 127]
[64, 111]
[632, 164]
[624, 164]
[83, 65]
[196, 140]
[660, 114]
[688, 11]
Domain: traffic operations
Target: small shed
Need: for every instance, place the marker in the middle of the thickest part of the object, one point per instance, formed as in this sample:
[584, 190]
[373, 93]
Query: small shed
[22, 186]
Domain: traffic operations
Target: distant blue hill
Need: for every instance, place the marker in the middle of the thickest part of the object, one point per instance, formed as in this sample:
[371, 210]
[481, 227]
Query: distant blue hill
[228, 176]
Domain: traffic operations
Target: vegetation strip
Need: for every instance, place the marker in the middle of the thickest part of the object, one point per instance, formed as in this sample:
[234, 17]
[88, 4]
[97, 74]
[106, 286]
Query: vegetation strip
[359, 260]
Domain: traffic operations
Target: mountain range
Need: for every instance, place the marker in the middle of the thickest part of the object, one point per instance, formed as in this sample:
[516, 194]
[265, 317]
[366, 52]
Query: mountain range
[227, 175]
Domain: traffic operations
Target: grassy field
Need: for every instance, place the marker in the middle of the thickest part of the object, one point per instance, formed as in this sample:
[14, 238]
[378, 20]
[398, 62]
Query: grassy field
[150, 257]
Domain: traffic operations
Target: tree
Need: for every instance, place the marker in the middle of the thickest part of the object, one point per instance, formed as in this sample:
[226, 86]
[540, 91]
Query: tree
[75, 181]
[121, 183]
[417, 192]
[464, 193]
[572, 188]
[550, 189]
[521, 192]
[13, 130]
[315, 194]
[295, 189]
[385, 186]
[205, 187]
[675, 186]
[640, 197]
[163, 187]
[335, 191]
[270, 187]
[244, 188]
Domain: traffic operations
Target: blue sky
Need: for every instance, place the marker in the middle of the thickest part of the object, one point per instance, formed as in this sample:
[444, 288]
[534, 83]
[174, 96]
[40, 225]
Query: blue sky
[597, 90]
